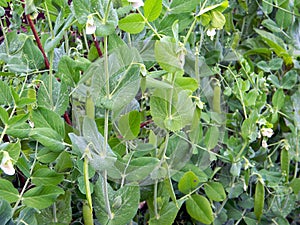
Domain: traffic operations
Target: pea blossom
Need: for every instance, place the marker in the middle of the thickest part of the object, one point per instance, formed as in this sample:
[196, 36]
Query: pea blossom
[136, 3]
[267, 132]
[90, 25]
[211, 32]
[6, 164]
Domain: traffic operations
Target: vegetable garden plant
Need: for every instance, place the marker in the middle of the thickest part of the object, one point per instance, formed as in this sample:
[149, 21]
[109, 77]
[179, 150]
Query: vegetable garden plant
[149, 112]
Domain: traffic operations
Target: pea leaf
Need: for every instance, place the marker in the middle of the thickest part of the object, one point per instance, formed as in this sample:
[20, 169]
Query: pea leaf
[152, 9]
[133, 23]
[188, 182]
[41, 197]
[45, 118]
[8, 192]
[48, 137]
[5, 94]
[129, 125]
[215, 191]
[46, 176]
[172, 115]
[124, 203]
[53, 95]
[179, 6]
[199, 208]
[5, 211]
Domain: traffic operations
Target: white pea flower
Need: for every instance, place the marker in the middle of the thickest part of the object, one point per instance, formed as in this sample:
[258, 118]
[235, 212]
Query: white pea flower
[211, 32]
[136, 3]
[6, 164]
[267, 132]
[90, 25]
[264, 144]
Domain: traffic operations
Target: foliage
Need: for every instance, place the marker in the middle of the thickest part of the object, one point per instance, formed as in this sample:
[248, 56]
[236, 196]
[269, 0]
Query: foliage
[149, 112]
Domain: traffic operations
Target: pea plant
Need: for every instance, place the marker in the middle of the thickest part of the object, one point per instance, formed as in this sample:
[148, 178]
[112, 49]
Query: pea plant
[149, 112]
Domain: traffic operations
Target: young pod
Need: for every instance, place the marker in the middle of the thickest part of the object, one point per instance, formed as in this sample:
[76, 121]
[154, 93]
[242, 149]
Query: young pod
[259, 199]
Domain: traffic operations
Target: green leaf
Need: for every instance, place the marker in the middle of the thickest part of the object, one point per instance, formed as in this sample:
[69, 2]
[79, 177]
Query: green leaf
[8, 192]
[63, 211]
[249, 129]
[5, 211]
[212, 137]
[188, 182]
[187, 83]
[178, 152]
[68, 71]
[278, 99]
[168, 56]
[53, 96]
[295, 185]
[82, 9]
[139, 168]
[277, 44]
[41, 197]
[296, 106]
[215, 191]
[64, 162]
[167, 214]
[48, 137]
[27, 216]
[289, 80]
[46, 176]
[267, 6]
[45, 118]
[13, 149]
[129, 125]
[3, 115]
[32, 56]
[172, 115]
[179, 6]
[152, 9]
[124, 204]
[133, 23]
[217, 19]
[61, 25]
[219, 7]
[5, 94]
[199, 208]
[124, 79]
[30, 7]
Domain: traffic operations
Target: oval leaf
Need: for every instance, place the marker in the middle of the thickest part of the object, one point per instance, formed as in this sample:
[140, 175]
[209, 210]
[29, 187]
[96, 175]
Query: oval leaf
[133, 23]
[215, 191]
[199, 208]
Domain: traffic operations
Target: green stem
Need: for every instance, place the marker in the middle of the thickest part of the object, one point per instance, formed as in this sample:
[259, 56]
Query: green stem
[189, 32]
[149, 25]
[155, 199]
[296, 154]
[88, 190]
[27, 181]
[106, 120]
[5, 39]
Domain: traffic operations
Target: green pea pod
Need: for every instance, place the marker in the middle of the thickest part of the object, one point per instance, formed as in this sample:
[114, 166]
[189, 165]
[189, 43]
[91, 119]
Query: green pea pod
[285, 162]
[259, 199]
[87, 214]
[217, 98]
[90, 107]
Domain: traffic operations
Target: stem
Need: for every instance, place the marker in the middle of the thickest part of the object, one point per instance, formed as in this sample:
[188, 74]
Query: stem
[155, 200]
[27, 181]
[5, 39]
[87, 186]
[105, 142]
[189, 32]
[54, 212]
[149, 25]
[297, 154]
[38, 41]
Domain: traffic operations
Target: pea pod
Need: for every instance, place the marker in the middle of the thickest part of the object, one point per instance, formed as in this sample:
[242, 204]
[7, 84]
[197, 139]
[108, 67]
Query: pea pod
[217, 98]
[285, 162]
[87, 214]
[90, 107]
[259, 199]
